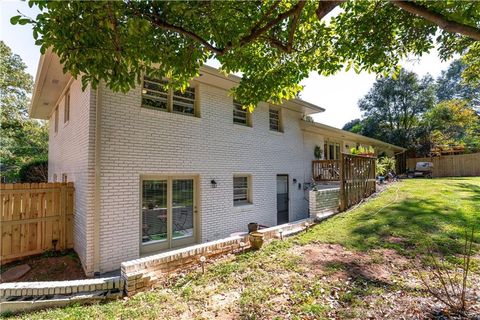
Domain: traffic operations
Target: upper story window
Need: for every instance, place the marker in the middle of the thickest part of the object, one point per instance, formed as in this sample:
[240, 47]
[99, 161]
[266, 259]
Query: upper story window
[66, 111]
[275, 119]
[56, 120]
[156, 96]
[241, 190]
[241, 115]
[184, 102]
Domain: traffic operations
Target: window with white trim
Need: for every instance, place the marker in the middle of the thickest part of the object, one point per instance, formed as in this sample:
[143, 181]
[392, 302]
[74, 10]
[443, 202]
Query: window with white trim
[156, 96]
[241, 115]
[241, 190]
[275, 119]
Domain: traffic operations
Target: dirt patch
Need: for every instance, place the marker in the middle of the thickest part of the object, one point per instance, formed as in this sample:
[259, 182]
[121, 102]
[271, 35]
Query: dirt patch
[50, 267]
[334, 261]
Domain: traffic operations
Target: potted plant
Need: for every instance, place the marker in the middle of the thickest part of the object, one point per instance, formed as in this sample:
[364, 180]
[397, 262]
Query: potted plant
[252, 227]
[256, 239]
[318, 152]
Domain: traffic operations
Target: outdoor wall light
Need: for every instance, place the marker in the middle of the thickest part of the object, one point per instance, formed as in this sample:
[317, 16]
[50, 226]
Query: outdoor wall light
[213, 183]
[294, 181]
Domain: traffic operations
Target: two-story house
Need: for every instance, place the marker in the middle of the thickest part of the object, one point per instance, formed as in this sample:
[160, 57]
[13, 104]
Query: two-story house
[156, 169]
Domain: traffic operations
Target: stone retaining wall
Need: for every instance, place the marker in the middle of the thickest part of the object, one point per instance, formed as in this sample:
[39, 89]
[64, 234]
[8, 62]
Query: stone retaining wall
[144, 273]
[22, 296]
[323, 203]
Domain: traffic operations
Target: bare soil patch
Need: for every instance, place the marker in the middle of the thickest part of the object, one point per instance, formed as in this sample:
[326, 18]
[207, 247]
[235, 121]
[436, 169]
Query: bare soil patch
[51, 266]
[379, 284]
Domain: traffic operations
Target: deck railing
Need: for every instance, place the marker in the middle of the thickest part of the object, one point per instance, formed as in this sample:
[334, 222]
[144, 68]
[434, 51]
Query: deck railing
[326, 170]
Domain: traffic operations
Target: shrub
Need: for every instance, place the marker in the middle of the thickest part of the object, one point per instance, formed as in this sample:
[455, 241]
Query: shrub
[34, 171]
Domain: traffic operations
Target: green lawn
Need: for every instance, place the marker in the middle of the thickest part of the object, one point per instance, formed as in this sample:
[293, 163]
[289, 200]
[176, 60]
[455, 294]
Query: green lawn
[277, 282]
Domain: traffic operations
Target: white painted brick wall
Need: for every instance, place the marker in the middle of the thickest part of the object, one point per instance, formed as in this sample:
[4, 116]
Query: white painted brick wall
[138, 141]
[71, 151]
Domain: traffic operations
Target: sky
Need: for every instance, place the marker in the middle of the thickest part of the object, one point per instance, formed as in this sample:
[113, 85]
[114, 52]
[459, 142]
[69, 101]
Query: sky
[337, 94]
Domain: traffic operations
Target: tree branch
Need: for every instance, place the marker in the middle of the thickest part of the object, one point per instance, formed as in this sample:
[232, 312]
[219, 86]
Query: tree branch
[254, 34]
[438, 19]
[325, 6]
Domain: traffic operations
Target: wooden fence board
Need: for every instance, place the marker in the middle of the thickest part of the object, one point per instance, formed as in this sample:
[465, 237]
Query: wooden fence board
[32, 216]
[462, 165]
[357, 179]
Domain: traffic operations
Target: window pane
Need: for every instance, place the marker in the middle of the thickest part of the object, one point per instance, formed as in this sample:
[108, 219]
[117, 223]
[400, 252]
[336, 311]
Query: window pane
[240, 190]
[184, 102]
[154, 94]
[182, 209]
[154, 211]
[274, 120]
[239, 114]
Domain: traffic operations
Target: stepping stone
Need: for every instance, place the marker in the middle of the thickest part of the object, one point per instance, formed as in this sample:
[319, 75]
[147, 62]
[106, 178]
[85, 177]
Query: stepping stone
[14, 273]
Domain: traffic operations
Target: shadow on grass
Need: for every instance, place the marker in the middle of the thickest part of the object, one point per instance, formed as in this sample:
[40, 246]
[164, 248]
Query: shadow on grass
[417, 223]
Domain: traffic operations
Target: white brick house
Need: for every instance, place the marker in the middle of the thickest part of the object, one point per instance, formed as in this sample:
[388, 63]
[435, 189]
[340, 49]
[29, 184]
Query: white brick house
[155, 170]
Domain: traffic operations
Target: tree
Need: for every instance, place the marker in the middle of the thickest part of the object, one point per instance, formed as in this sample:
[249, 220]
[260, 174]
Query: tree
[394, 107]
[23, 139]
[450, 85]
[453, 123]
[354, 126]
[273, 43]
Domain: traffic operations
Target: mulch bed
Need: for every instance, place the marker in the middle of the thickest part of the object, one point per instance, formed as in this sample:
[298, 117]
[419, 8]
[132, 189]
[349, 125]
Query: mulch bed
[50, 266]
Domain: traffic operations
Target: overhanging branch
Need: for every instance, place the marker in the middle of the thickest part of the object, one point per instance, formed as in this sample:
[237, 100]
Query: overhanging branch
[438, 19]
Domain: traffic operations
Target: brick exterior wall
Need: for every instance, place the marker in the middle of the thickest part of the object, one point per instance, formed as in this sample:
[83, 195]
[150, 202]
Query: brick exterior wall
[324, 203]
[71, 152]
[136, 141]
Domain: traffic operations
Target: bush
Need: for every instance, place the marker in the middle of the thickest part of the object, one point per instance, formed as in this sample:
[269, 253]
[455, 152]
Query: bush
[34, 171]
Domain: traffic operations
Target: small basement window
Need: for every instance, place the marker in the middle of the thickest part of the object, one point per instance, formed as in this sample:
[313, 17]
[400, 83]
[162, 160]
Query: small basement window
[241, 190]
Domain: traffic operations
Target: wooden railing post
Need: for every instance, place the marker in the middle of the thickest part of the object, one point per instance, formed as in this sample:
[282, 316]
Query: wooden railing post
[342, 183]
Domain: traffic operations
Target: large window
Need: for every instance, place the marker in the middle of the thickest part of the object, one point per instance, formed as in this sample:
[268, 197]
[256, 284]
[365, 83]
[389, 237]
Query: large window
[241, 190]
[241, 115]
[168, 212]
[156, 96]
[275, 120]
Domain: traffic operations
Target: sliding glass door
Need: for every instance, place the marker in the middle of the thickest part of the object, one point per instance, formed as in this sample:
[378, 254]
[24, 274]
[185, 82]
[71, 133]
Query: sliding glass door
[168, 213]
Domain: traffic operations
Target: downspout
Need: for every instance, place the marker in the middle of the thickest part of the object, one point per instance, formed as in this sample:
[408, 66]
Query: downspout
[96, 217]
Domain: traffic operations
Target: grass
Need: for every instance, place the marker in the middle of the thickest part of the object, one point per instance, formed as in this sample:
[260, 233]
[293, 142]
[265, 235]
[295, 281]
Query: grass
[275, 283]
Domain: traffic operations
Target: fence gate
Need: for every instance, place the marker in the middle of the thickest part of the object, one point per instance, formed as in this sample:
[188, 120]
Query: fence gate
[35, 217]
[357, 179]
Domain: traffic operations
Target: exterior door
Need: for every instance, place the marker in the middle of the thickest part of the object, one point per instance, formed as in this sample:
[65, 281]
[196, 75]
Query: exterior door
[168, 213]
[282, 199]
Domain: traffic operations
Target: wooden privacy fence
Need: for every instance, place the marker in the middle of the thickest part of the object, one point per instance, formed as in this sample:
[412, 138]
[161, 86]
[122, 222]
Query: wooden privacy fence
[451, 166]
[357, 179]
[35, 217]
